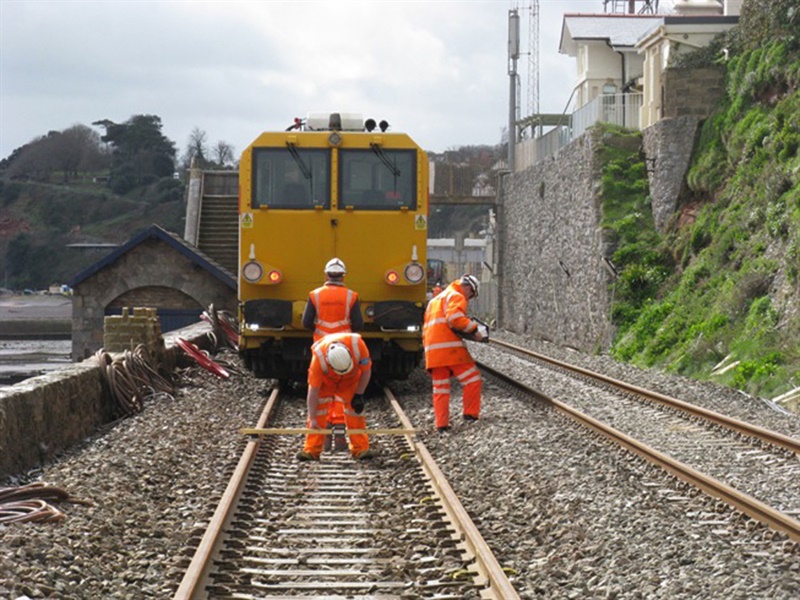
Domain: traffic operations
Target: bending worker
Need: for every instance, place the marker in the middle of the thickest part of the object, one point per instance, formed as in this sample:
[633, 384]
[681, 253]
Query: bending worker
[339, 374]
[446, 353]
[333, 308]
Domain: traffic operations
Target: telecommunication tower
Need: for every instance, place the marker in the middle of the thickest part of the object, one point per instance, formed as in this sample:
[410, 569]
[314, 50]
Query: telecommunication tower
[531, 9]
[533, 58]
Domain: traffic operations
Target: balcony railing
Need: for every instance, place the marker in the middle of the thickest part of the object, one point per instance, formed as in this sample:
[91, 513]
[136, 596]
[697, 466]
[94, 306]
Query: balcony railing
[617, 109]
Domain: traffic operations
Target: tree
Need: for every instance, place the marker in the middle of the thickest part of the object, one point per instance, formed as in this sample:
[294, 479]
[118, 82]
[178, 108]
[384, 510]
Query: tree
[196, 149]
[197, 153]
[27, 263]
[140, 152]
[68, 153]
[224, 155]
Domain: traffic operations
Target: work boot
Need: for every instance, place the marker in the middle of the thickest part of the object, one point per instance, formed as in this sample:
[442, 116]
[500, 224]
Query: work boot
[470, 418]
[306, 456]
[364, 455]
[443, 429]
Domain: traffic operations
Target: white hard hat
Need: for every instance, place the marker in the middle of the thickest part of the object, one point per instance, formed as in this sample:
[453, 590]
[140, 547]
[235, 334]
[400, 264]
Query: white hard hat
[472, 282]
[339, 358]
[335, 267]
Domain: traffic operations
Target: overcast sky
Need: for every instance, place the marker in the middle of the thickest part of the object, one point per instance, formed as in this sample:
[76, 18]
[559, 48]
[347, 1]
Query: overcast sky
[436, 70]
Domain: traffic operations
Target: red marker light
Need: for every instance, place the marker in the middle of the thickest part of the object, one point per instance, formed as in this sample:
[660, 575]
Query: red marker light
[275, 276]
[392, 277]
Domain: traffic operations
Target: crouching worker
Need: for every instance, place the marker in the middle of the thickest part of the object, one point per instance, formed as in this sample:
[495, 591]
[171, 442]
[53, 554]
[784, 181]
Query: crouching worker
[340, 371]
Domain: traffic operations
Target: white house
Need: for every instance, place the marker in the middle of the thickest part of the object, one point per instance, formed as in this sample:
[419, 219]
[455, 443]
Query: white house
[694, 24]
[605, 48]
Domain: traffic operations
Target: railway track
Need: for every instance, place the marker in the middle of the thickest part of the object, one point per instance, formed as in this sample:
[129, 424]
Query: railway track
[390, 527]
[755, 470]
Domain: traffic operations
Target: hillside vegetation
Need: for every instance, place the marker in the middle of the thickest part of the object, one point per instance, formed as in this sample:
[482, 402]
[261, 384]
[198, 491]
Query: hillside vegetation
[75, 187]
[720, 295]
[39, 221]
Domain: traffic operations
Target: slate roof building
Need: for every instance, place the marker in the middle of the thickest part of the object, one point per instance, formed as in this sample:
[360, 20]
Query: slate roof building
[155, 268]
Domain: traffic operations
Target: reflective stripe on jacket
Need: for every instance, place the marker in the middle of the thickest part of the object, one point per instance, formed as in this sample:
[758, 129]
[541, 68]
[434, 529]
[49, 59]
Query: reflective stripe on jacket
[333, 303]
[445, 312]
[324, 378]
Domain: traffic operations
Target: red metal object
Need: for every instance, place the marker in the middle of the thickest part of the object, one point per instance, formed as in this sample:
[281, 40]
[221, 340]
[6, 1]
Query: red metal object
[202, 360]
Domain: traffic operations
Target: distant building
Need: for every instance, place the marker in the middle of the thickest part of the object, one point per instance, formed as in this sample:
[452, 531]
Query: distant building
[621, 63]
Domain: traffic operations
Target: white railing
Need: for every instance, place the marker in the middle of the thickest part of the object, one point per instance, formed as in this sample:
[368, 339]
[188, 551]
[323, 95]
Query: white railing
[617, 109]
[531, 151]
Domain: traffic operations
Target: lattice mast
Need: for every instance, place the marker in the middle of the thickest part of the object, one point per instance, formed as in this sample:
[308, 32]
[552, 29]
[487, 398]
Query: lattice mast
[533, 60]
[631, 7]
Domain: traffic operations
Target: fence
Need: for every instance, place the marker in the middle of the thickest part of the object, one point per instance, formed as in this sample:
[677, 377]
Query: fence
[617, 109]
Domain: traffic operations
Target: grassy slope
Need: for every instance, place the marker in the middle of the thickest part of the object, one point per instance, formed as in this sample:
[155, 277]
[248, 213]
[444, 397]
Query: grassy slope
[734, 291]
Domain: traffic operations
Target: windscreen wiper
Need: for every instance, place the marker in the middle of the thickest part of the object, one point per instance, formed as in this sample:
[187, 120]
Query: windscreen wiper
[299, 160]
[385, 160]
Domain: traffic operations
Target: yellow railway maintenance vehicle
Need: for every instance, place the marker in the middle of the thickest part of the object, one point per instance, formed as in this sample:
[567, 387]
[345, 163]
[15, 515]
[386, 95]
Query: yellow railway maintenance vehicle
[332, 186]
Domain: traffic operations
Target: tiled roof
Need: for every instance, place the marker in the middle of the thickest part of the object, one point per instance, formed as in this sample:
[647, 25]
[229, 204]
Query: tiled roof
[619, 31]
[171, 239]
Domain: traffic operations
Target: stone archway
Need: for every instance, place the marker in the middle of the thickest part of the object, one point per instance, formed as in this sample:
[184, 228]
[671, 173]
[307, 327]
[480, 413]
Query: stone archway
[153, 274]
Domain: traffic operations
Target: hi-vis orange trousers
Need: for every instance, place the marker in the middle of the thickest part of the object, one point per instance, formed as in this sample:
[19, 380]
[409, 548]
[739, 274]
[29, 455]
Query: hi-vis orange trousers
[470, 379]
[329, 410]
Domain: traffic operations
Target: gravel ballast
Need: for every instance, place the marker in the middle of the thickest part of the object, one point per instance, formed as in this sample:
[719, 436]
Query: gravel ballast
[570, 515]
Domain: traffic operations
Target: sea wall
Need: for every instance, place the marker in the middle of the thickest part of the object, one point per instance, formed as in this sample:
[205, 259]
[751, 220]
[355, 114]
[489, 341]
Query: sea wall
[44, 416]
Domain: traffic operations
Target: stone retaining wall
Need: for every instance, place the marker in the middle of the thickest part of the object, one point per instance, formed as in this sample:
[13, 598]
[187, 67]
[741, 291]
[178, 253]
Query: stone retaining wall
[555, 281]
[43, 416]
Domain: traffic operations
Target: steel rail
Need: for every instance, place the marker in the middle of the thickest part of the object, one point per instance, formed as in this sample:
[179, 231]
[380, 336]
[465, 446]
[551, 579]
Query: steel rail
[745, 503]
[772, 437]
[498, 584]
[197, 573]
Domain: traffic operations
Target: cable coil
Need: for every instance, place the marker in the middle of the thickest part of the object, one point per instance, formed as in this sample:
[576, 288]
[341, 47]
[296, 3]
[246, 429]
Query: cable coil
[132, 377]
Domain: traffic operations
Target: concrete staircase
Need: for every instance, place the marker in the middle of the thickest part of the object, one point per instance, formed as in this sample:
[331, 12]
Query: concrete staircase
[213, 226]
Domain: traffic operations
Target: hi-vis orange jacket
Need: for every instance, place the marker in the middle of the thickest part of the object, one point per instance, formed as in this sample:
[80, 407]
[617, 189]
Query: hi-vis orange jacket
[329, 383]
[333, 303]
[446, 312]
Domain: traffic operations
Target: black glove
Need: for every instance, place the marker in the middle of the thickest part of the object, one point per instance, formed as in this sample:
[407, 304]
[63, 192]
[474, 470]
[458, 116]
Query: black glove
[358, 403]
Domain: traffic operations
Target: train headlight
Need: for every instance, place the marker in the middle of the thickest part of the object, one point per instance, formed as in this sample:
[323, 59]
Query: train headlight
[414, 273]
[392, 277]
[252, 271]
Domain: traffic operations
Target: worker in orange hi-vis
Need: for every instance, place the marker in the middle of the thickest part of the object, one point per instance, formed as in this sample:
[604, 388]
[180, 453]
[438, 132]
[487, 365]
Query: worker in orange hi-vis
[333, 308]
[446, 355]
[340, 371]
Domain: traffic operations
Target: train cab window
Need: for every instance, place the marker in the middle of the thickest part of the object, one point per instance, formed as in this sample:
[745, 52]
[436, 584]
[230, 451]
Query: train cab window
[378, 179]
[291, 178]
